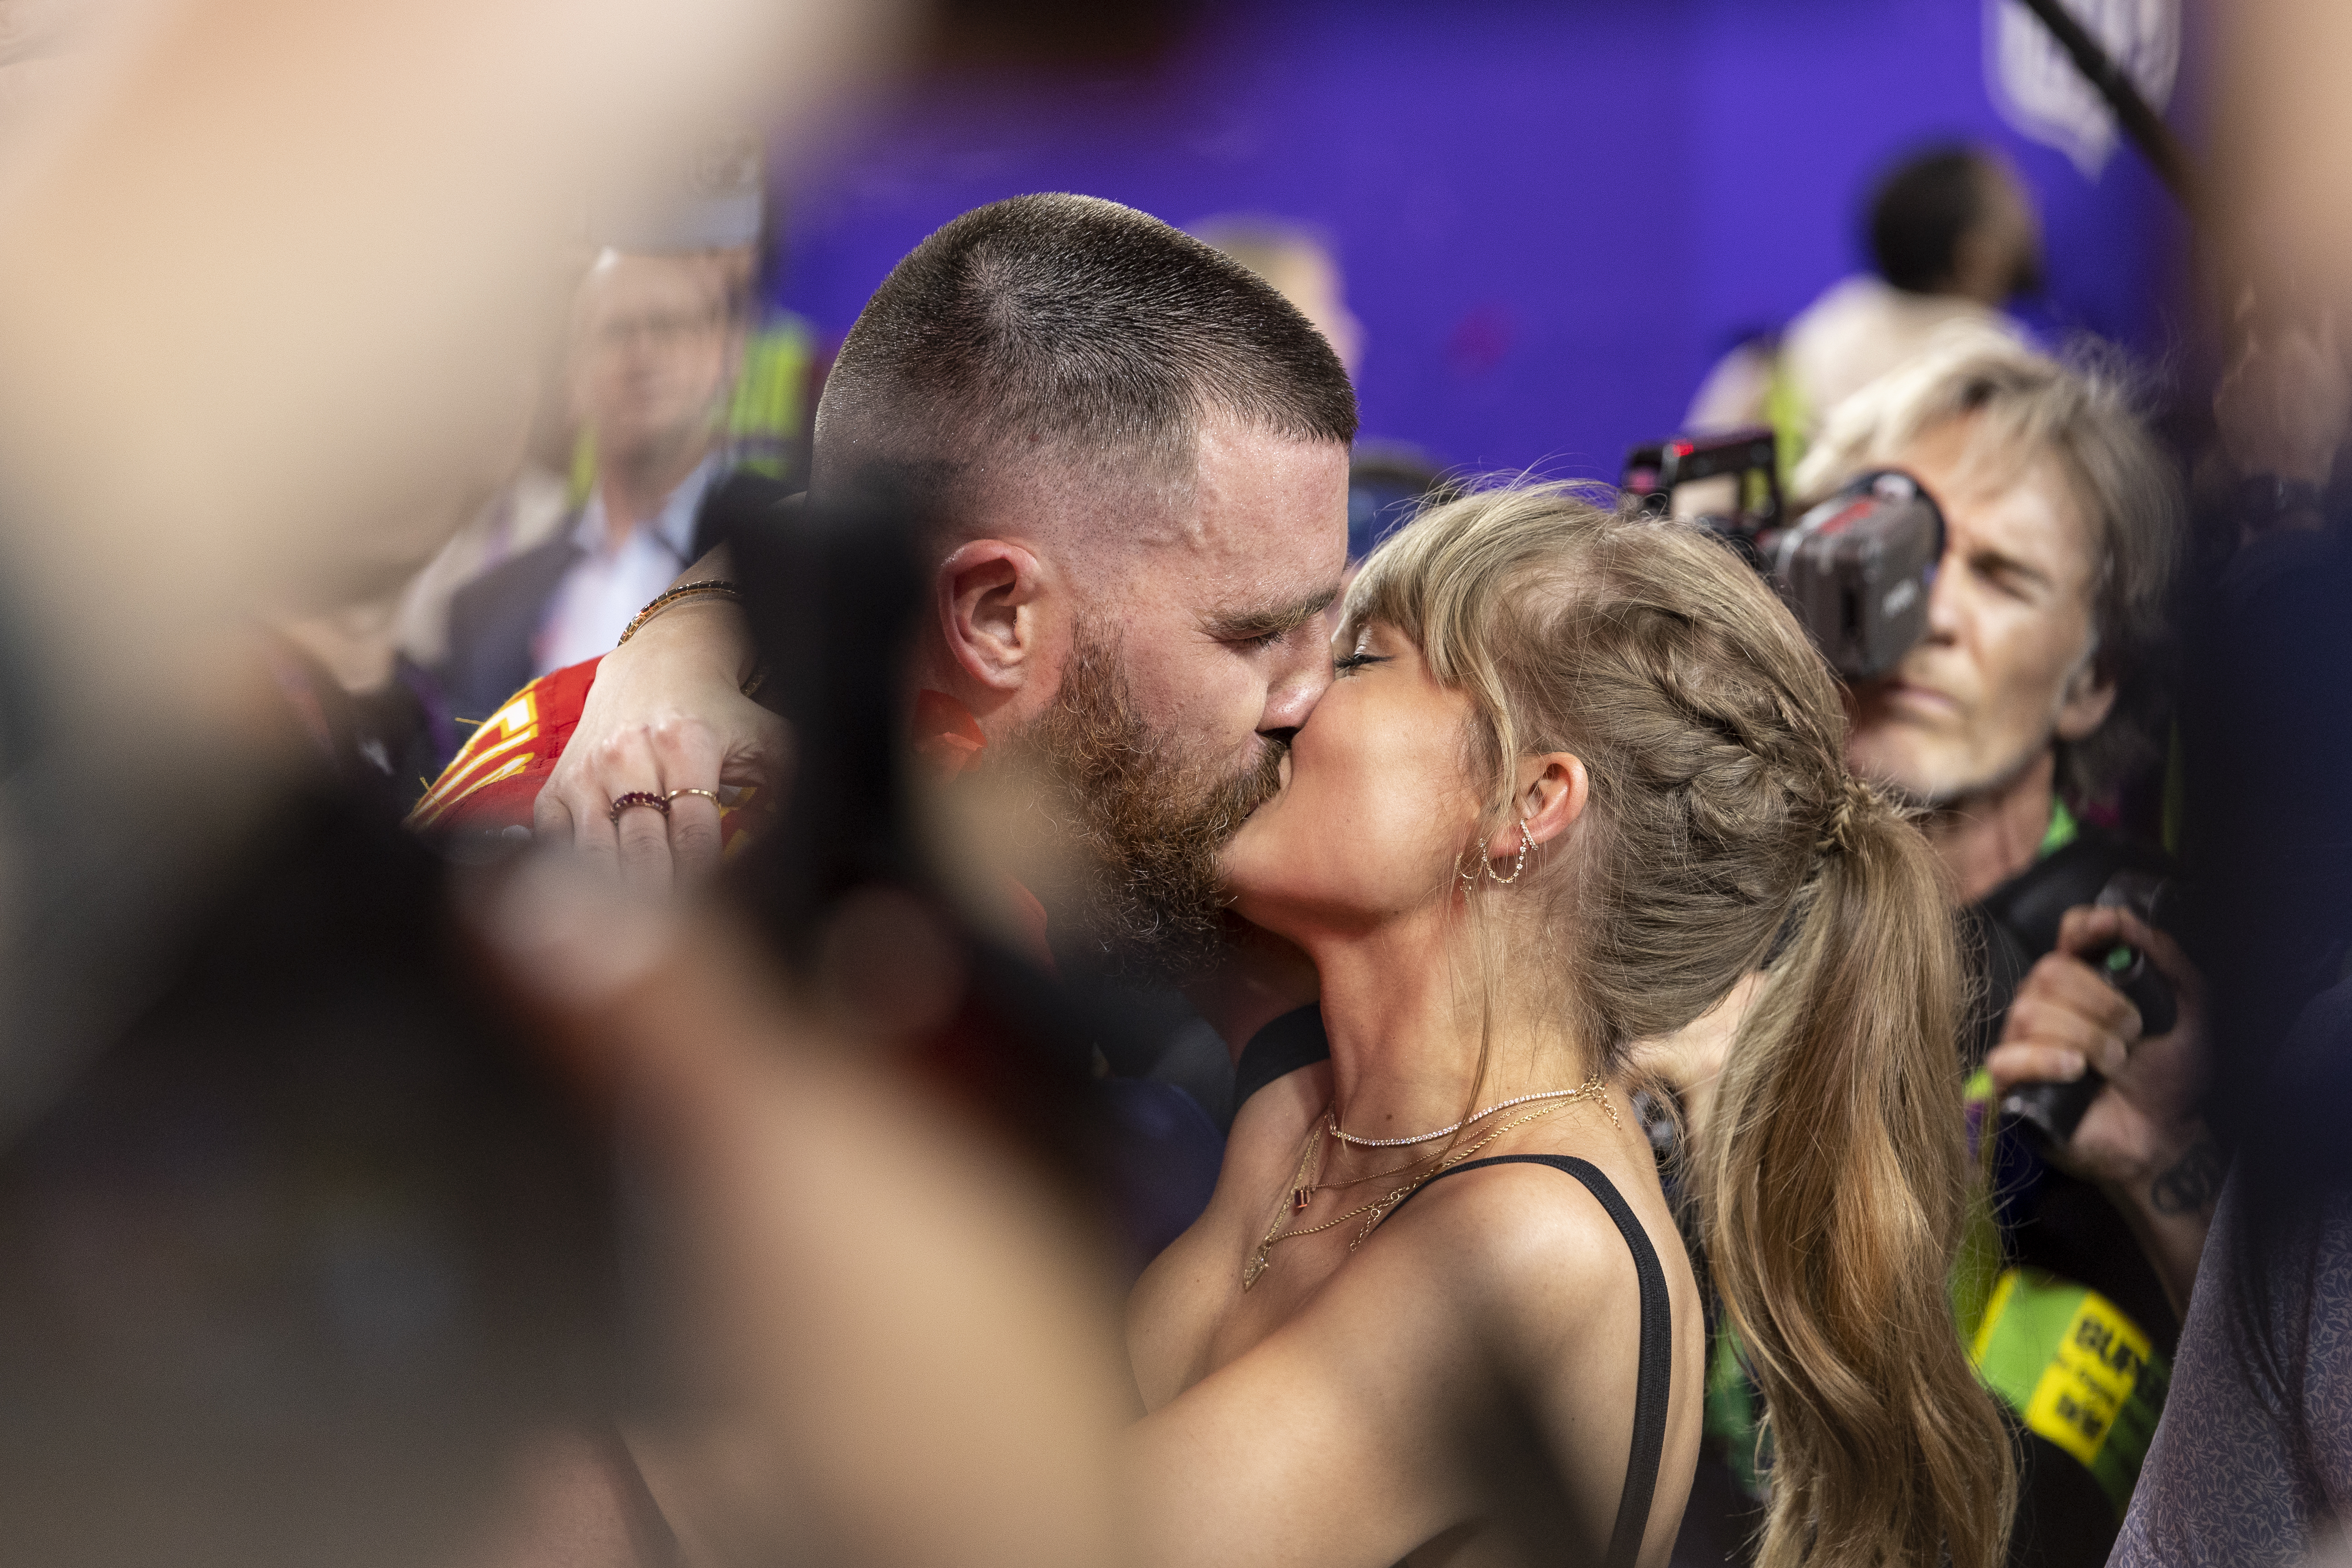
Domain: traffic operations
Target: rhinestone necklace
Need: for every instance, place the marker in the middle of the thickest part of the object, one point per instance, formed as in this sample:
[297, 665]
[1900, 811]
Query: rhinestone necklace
[1346, 1137]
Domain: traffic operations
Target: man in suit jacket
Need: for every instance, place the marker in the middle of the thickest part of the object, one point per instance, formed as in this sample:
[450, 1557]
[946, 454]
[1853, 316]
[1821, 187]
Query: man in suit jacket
[655, 353]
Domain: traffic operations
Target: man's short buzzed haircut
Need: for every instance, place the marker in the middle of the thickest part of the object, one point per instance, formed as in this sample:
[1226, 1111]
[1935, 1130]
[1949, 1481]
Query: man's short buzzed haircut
[1070, 331]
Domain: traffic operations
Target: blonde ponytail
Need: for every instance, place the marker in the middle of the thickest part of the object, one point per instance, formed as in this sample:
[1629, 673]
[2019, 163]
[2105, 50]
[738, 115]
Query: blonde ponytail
[1834, 1182]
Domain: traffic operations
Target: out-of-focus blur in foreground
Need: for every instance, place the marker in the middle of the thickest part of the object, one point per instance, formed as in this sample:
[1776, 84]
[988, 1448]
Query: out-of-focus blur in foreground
[761, 1181]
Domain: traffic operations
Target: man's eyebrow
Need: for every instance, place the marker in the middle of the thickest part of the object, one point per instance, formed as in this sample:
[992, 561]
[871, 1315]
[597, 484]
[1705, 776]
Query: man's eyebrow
[1268, 620]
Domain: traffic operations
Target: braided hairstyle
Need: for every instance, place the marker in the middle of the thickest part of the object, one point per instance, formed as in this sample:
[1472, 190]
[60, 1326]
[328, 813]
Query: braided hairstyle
[1723, 834]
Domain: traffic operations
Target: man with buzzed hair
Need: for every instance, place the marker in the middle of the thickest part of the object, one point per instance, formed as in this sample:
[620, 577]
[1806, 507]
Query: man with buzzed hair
[1104, 407]
[1137, 453]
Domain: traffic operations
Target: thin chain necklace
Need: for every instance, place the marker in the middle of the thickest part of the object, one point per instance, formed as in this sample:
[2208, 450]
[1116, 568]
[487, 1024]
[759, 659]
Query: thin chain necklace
[1309, 1180]
[1345, 1136]
[1304, 1186]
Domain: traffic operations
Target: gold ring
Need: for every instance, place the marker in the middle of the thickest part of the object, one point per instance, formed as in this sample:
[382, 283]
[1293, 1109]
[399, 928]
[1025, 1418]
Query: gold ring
[709, 795]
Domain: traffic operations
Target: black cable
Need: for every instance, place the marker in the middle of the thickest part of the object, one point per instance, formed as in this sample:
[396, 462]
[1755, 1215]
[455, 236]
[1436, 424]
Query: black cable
[2147, 129]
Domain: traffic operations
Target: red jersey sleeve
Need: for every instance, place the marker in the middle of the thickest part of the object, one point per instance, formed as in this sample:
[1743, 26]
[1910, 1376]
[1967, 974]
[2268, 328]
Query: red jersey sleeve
[492, 783]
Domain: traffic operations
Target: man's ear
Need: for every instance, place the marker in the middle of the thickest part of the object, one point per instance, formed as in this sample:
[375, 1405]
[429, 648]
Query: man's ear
[992, 602]
[1551, 795]
[2088, 697]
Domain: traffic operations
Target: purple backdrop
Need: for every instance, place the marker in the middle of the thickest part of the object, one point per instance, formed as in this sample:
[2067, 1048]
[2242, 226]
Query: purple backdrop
[1552, 216]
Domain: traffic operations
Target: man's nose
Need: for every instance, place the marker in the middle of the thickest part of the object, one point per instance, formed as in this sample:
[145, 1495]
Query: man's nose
[1295, 688]
[1944, 600]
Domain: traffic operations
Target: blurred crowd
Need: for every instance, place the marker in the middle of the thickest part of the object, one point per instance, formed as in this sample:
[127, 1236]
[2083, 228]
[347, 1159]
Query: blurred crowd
[631, 935]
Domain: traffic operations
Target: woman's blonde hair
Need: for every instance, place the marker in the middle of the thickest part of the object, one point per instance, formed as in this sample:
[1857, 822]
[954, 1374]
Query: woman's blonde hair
[1723, 834]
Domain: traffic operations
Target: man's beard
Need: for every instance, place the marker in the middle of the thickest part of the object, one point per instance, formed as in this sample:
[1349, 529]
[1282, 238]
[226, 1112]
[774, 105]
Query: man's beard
[1133, 888]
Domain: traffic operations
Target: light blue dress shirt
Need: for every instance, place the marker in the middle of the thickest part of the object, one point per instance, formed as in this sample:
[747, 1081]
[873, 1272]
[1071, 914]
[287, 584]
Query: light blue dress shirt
[607, 586]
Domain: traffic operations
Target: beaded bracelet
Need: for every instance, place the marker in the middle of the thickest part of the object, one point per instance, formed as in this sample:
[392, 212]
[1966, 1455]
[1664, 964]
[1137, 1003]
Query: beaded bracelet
[668, 596]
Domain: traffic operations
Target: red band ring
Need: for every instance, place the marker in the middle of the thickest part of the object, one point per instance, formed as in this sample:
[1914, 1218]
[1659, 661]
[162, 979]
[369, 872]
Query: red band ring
[622, 802]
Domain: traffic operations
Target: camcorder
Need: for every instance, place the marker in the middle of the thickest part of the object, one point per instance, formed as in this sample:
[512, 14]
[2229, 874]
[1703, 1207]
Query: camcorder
[1856, 569]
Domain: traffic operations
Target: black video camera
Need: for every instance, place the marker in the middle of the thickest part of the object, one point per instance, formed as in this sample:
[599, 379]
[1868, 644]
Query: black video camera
[2054, 1110]
[1856, 569]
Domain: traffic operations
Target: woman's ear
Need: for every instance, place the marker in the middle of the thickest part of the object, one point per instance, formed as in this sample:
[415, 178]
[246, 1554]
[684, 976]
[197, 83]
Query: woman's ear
[1551, 795]
[991, 606]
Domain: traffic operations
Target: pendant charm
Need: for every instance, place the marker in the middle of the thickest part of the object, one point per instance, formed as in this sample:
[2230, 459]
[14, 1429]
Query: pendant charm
[1253, 1267]
[1299, 1196]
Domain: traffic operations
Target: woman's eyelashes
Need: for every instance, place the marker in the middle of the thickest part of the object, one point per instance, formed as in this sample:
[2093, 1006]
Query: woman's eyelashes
[1348, 663]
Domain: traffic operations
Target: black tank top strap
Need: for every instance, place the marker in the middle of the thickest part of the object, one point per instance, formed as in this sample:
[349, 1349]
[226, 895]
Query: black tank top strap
[1289, 1042]
[1656, 1369]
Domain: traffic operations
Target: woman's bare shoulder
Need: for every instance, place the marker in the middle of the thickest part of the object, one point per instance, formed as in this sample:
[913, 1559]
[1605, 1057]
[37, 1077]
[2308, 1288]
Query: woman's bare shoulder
[1172, 1311]
[1530, 1243]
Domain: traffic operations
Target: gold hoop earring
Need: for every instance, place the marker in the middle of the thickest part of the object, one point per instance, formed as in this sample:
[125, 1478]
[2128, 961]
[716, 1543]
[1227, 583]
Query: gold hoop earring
[1527, 842]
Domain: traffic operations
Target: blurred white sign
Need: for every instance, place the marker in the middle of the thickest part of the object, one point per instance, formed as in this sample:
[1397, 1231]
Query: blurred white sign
[2038, 89]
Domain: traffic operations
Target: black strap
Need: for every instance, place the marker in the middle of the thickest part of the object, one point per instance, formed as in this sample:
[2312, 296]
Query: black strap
[1656, 1372]
[1279, 1049]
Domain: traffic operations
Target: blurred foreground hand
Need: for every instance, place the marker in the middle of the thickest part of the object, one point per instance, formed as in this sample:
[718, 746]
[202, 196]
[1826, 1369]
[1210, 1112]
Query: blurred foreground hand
[256, 255]
[894, 1348]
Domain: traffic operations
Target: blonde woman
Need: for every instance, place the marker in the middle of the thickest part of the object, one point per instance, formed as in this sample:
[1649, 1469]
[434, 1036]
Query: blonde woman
[1577, 777]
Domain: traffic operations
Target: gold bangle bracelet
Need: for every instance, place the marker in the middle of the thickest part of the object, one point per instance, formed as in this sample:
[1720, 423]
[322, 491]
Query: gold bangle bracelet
[668, 596]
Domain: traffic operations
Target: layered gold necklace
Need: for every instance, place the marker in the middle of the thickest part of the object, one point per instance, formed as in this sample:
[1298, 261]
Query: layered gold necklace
[1308, 1179]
